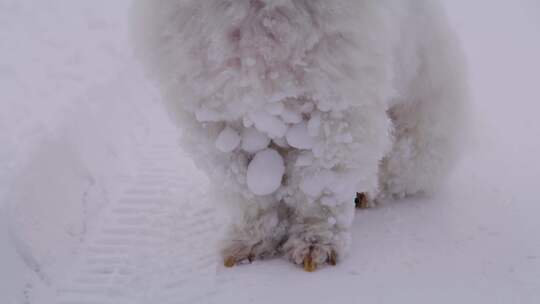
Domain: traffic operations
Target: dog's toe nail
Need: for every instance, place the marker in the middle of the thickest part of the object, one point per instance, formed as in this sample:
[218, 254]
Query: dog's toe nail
[309, 265]
[332, 258]
[229, 262]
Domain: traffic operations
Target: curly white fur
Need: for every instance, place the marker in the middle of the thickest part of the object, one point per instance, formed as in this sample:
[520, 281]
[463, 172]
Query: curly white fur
[353, 95]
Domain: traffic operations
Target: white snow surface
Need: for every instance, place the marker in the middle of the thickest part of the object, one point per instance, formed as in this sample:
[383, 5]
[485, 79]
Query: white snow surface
[265, 172]
[98, 205]
[228, 140]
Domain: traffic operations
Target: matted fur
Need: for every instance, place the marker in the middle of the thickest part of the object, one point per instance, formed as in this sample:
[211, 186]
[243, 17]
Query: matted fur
[379, 84]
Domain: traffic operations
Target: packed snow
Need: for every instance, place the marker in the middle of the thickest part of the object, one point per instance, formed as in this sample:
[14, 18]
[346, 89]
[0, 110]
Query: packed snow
[228, 140]
[299, 137]
[253, 141]
[88, 157]
[291, 116]
[265, 172]
[269, 124]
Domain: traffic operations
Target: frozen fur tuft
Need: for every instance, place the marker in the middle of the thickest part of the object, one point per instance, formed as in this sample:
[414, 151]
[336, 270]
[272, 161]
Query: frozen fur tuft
[293, 106]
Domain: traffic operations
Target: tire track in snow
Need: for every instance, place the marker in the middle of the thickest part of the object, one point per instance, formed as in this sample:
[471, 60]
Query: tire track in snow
[154, 244]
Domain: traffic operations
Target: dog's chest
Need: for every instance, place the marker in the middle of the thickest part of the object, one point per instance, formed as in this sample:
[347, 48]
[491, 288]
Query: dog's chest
[273, 34]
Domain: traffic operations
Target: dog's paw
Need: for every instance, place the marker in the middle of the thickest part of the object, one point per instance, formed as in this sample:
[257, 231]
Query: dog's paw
[315, 256]
[243, 252]
[363, 201]
[238, 252]
[311, 255]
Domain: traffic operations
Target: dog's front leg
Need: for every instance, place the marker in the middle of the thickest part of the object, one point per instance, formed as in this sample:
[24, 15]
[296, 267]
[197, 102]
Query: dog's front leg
[256, 233]
[316, 238]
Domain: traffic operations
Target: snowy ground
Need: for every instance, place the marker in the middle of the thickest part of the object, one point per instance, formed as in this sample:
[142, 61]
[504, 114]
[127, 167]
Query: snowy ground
[99, 206]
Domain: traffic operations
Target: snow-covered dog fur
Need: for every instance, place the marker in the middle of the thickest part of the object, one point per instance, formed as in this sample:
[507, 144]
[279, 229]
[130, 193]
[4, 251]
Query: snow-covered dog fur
[294, 106]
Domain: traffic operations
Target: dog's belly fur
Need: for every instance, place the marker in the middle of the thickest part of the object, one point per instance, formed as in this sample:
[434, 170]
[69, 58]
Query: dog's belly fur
[347, 95]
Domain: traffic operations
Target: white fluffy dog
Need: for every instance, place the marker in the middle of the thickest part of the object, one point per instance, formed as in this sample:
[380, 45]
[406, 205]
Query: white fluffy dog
[294, 106]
